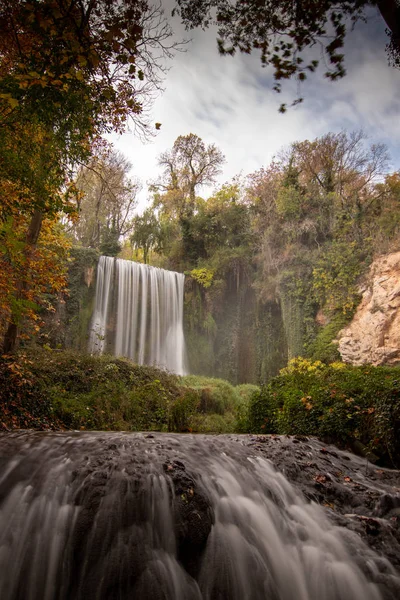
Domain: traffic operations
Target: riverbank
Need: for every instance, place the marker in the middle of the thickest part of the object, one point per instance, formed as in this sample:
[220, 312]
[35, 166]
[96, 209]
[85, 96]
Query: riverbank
[59, 390]
[356, 408]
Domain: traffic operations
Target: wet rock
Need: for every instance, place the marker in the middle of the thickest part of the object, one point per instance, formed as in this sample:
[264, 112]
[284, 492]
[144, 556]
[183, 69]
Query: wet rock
[193, 516]
[142, 510]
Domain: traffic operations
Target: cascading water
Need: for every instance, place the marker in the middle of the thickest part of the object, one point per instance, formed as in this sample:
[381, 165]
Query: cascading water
[139, 314]
[108, 516]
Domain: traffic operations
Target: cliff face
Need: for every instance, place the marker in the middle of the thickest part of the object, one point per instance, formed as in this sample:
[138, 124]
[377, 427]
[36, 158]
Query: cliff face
[373, 336]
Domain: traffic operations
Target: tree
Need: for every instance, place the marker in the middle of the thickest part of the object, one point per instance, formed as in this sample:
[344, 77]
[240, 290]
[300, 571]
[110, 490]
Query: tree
[39, 275]
[146, 233]
[70, 70]
[106, 200]
[321, 193]
[341, 172]
[284, 31]
[189, 165]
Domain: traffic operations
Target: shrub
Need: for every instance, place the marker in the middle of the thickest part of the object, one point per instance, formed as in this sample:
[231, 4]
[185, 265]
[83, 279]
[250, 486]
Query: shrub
[322, 347]
[58, 389]
[338, 403]
[216, 395]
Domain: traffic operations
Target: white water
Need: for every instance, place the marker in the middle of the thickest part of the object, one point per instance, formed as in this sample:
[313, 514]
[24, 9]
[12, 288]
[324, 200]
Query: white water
[139, 314]
[93, 517]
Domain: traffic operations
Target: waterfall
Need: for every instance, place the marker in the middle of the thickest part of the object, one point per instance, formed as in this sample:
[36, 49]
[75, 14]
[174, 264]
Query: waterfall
[111, 516]
[139, 314]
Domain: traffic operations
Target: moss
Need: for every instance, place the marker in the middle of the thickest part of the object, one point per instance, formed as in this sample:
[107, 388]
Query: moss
[216, 395]
[270, 341]
[80, 300]
[323, 348]
[213, 423]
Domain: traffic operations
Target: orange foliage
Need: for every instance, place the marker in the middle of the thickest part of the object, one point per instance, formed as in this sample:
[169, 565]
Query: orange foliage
[43, 268]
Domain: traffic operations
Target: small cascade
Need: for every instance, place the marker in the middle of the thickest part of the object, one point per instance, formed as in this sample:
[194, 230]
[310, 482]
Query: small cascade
[109, 516]
[139, 314]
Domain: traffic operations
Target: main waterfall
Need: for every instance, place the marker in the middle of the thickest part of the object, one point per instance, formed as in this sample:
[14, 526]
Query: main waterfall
[139, 314]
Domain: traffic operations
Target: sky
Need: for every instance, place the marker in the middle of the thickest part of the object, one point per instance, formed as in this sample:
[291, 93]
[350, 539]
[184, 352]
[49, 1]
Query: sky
[229, 101]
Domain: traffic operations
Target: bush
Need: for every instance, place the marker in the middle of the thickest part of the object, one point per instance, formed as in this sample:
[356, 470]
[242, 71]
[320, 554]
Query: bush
[222, 408]
[79, 391]
[322, 347]
[216, 395]
[56, 389]
[338, 403]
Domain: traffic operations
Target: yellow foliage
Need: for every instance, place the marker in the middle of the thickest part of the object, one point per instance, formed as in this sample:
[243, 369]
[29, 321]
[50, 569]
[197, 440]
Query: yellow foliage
[302, 365]
[338, 365]
[203, 276]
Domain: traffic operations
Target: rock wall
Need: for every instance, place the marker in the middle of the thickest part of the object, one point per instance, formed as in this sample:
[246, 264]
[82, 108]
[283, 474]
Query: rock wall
[235, 338]
[373, 336]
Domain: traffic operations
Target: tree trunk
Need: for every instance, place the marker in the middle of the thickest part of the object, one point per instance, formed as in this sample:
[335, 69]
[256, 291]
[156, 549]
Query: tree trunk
[390, 11]
[12, 333]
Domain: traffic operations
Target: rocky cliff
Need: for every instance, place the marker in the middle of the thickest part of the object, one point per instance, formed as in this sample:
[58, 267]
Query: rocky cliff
[373, 336]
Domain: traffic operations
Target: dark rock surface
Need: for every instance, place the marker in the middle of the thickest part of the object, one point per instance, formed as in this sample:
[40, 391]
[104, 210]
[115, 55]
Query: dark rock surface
[355, 493]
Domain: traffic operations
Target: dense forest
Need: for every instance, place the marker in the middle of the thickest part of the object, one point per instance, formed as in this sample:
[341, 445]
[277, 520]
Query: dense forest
[273, 260]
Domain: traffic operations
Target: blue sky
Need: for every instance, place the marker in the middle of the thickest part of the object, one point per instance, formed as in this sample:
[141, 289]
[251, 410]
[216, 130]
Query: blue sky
[229, 101]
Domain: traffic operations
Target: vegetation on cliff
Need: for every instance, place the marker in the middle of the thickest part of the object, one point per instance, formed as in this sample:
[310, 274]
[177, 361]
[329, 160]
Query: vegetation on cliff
[273, 260]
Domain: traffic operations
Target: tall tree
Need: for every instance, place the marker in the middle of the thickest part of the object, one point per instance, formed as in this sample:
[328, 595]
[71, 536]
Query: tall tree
[106, 200]
[147, 234]
[70, 70]
[189, 165]
[284, 31]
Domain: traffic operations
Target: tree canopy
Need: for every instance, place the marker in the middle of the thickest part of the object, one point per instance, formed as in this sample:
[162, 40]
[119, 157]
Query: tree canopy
[106, 201]
[70, 71]
[299, 233]
[290, 36]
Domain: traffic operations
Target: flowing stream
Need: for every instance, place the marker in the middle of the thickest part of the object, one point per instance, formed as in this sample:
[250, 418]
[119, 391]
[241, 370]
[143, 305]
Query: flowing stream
[111, 516]
[139, 314]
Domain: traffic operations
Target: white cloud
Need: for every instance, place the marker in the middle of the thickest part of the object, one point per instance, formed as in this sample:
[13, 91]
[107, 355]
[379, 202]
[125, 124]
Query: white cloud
[229, 102]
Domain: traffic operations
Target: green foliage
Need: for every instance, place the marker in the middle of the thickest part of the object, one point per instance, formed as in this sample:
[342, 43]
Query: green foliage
[147, 233]
[110, 244]
[298, 307]
[22, 405]
[288, 202]
[216, 395]
[335, 276]
[213, 423]
[45, 388]
[203, 276]
[74, 326]
[183, 409]
[221, 407]
[336, 402]
[322, 347]
[246, 392]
